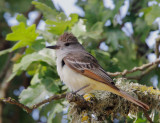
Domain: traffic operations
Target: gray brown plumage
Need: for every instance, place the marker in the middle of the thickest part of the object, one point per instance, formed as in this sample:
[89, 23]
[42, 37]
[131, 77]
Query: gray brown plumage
[77, 68]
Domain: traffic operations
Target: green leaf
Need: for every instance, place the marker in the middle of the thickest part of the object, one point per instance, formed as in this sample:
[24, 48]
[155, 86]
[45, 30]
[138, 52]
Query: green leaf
[74, 19]
[53, 111]
[34, 57]
[96, 30]
[42, 72]
[141, 29]
[38, 45]
[35, 79]
[57, 112]
[48, 12]
[58, 27]
[151, 13]
[95, 12]
[114, 36]
[5, 51]
[21, 18]
[38, 92]
[49, 37]
[79, 29]
[11, 76]
[25, 36]
[58, 116]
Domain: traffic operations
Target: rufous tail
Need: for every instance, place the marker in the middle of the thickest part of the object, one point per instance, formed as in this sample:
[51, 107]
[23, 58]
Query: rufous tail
[133, 100]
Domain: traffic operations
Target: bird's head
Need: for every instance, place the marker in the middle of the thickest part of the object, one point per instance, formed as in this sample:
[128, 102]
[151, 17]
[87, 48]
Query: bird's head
[67, 41]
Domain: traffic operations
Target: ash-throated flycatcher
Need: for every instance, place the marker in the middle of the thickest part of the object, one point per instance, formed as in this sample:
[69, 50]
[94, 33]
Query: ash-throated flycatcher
[78, 68]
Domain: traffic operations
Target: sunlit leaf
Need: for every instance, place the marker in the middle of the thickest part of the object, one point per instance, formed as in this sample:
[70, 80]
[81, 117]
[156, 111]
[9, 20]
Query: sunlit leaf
[48, 12]
[38, 92]
[58, 27]
[34, 57]
[24, 36]
[96, 30]
[5, 51]
[79, 29]
[151, 13]
[21, 18]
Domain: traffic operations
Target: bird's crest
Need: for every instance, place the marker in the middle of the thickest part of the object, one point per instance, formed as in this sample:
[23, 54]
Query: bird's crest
[67, 37]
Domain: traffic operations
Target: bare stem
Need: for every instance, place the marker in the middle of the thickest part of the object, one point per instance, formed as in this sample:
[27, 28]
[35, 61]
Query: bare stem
[30, 109]
[141, 68]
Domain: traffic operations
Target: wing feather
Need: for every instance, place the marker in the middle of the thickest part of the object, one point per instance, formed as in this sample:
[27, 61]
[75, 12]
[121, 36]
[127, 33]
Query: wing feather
[88, 66]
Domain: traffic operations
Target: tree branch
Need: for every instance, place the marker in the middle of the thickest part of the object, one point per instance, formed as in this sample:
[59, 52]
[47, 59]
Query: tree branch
[29, 10]
[141, 68]
[149, 66]
[37, 20]
[138, 77]
[7, 69]
[30, 109]
[103, 103]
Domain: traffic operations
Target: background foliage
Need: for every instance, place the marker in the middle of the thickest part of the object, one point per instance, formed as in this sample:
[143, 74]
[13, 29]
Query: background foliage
[28, 70]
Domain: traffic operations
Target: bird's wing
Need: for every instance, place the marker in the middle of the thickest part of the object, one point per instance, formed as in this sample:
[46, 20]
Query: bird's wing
[84, 63]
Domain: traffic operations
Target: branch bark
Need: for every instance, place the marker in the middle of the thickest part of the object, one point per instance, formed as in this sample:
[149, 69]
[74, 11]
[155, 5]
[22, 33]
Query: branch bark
[7, 69]
[103, 103]
[30, 109]
[141, 68]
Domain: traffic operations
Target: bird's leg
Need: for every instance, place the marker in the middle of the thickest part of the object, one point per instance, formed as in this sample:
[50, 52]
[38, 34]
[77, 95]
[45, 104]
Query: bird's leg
[72, 96]
[80, 89]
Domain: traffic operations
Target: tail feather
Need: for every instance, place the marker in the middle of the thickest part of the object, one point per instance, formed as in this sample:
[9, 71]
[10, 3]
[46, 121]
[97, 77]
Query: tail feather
[133, 100]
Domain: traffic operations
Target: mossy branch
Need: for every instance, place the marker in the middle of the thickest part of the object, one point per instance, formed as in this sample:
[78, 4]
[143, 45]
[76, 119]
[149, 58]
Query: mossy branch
[105, 104]
[98, 105]
[148, 67]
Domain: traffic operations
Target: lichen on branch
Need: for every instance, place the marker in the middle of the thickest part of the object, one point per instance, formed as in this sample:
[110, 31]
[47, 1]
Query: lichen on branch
[105, 104]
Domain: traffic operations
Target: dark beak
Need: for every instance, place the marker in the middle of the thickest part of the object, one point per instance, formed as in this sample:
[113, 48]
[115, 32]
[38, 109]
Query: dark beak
[53, 47]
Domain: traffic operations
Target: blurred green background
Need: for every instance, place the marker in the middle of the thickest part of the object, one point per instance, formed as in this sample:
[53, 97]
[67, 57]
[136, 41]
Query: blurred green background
[119, 33]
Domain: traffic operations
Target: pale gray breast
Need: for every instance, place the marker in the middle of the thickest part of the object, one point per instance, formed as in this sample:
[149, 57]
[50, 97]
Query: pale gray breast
[59, 67]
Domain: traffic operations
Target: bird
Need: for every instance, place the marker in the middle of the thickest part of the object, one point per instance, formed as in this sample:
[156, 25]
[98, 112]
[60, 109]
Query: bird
[78, 68]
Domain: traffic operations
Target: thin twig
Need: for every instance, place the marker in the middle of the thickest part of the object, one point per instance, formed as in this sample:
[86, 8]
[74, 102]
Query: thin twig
[138, 77]
[152, 66]
[29, 10]
[149, 66]
[54, 97]
[30, 109]
[141, 68]
[37, 20]
[5, 73]
[91, 105]
[81, 88]
[13, 101]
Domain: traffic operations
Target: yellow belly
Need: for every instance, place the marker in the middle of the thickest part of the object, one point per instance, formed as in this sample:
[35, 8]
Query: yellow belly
[75, 81]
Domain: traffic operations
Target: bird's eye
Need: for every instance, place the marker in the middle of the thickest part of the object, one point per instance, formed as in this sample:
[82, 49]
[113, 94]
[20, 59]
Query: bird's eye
[67, 44]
